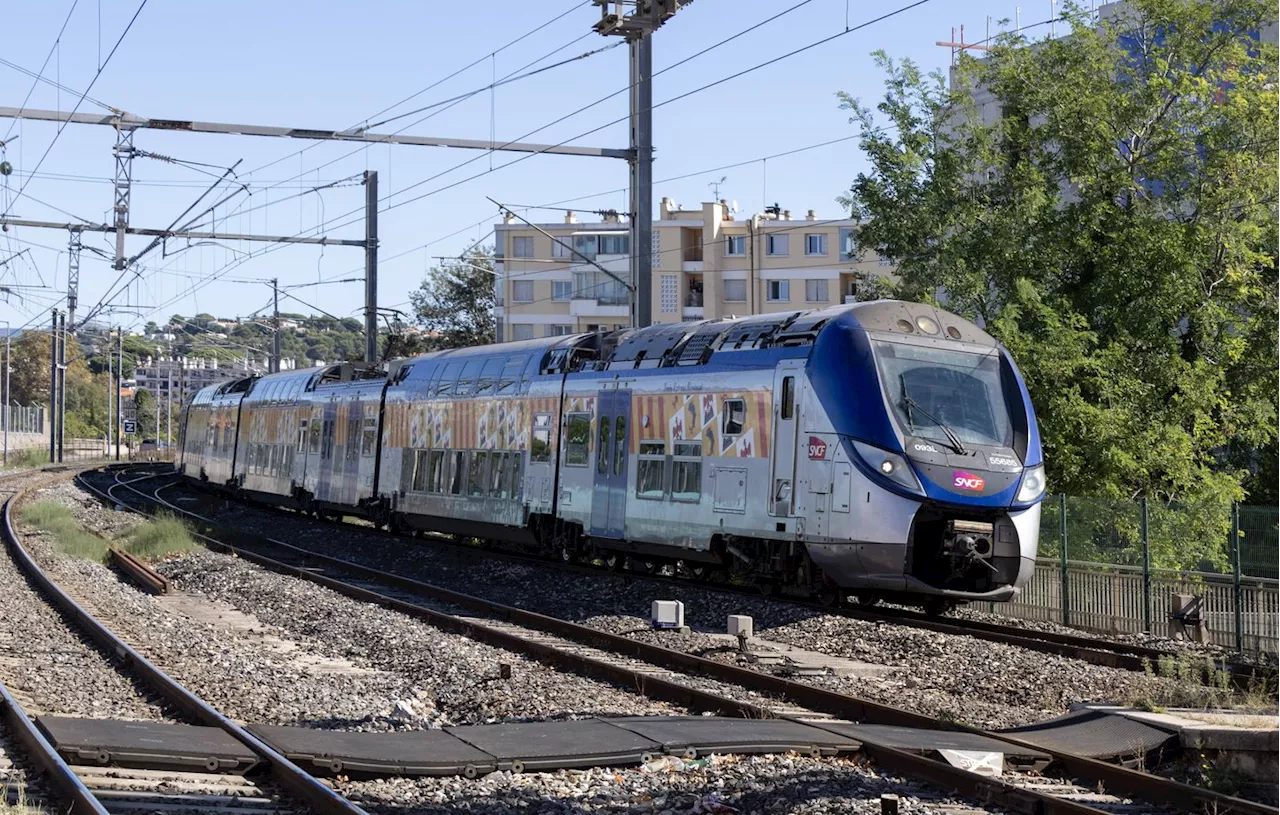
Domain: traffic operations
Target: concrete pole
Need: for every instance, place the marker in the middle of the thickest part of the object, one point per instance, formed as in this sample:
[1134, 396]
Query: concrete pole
[370, 266]
[62, 385]
[119, 396]
[8, 359]
[110, 399]
[275, 322]
[53, 389]
[641, 64]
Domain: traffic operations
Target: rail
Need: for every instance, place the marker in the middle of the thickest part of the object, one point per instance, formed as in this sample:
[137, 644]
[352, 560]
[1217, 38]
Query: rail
[308, 789]
[1111, 777]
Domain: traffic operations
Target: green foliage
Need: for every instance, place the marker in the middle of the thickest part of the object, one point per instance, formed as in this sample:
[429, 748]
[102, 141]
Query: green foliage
[29, 457]
[454, 304]
[159, 537]
[57, 520]
[1115, 226]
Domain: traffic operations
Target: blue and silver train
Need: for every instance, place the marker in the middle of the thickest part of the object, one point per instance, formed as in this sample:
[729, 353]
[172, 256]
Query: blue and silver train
[885, 450]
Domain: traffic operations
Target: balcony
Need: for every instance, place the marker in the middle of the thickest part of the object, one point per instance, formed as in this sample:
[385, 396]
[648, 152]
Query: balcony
[600, 306]
[691, 266]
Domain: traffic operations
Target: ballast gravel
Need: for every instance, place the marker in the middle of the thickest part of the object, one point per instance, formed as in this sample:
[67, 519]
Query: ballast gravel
[970, 680]
[719, 784]
[316, 658]
[48, 666]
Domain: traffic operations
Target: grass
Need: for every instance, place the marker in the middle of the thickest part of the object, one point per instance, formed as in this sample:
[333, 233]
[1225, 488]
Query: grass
[159, 537]
[20, 805]
[57, 520]
[28, 457]
[150, 540]
[1195, 681]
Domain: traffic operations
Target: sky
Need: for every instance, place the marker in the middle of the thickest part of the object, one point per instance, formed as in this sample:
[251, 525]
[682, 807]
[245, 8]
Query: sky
[319, 65]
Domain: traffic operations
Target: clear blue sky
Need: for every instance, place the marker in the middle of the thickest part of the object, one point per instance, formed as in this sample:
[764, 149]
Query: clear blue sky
[332, 65]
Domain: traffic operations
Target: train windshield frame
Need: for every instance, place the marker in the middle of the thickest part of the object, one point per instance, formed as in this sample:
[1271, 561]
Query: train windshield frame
[928, 387]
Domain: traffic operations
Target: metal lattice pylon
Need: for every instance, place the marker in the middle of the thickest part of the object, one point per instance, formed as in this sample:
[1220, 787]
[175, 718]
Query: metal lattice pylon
[73, 277]
[124, 183]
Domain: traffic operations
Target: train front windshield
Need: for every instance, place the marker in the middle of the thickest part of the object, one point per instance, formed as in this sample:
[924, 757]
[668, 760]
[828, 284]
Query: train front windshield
[933, 390]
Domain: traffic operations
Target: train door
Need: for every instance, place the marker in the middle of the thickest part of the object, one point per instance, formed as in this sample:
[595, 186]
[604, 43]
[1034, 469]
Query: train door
[786, 407]
[609, 496]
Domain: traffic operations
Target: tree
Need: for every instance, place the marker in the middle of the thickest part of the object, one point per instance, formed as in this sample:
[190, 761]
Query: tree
[144, 404]
[1114, 227]
[454, 304]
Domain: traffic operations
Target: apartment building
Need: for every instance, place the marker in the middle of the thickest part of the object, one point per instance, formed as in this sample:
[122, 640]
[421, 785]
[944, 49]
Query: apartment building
[186, 375]
[707, 263]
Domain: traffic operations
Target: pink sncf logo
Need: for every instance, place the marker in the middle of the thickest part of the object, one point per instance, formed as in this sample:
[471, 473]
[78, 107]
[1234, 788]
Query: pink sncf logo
[968, 481]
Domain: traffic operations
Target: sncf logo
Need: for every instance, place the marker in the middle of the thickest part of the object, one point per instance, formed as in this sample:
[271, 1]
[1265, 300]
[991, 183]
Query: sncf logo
[817, 448]
[968, 481]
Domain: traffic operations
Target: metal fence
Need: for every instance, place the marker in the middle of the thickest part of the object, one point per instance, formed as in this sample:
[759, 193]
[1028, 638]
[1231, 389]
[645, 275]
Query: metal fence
[1113, 566]
[23, 419]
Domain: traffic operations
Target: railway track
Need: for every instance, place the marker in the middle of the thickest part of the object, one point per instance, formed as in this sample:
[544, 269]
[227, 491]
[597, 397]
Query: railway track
[699, 683]
[1093, 650]
[110, 789]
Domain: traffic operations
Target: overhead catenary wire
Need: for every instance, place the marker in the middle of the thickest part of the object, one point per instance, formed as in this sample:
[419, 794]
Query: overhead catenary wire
[745, 71]
[63, 125]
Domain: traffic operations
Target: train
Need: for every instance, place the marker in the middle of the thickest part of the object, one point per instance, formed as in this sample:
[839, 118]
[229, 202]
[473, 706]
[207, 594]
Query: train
[882, 450]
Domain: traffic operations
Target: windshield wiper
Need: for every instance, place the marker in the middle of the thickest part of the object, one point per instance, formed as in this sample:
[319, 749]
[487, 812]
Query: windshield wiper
[908, 403]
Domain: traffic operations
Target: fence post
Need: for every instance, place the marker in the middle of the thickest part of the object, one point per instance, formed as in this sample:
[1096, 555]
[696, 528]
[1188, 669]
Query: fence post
[1062, 555]
[1146, 570]
[1238, 592]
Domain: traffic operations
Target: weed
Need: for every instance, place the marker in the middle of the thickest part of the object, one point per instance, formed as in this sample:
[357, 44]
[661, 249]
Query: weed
[159, 537]
[57, 520]
[17, 804]
[27, 457]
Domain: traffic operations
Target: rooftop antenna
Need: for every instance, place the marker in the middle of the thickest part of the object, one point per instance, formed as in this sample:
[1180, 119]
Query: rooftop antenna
[715, 187]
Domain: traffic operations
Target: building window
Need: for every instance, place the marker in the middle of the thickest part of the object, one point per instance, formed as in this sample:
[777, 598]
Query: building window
[848, 243]
[815, 291]
[561, 290]
[559, 330]
[735, 291]
[577, 439]
[651, 470]
[560, 248]
[669, 294]
[522, 291]
[779, 291]
[735, 245]
[733, 417]
[614, 244]
[522, 247]
[815, 244]
[686, 471]
[522, 331]
[777, 245]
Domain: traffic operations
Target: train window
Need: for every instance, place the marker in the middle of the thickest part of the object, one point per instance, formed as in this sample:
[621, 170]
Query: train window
[488, 381]
[477, 478]
[288, 459]
[457, 472]
[314, 432]
[620, 445]
[602, 451]
[420, 470]
[733, 417]
[435, 471]
[326, 442]
[686, 471]
[512, 486]
[788, 397]
[302, 434]
[509, 379]
[497, 469]
[445, 386]
[351, 443]
[467, 379]
[651, 470]
[577, 438]
[369, 439]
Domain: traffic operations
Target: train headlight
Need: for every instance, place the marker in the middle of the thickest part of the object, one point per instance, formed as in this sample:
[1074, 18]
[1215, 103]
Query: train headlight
[891, 465]
[1032, 484]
